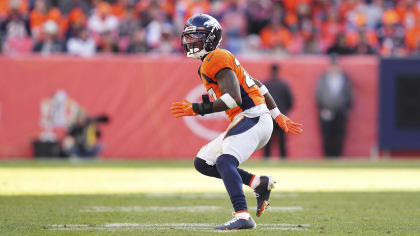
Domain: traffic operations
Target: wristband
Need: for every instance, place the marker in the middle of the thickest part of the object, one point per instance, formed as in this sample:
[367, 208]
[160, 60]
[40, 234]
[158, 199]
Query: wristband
[229, 101]
[203, 108]
[263, 90]
[275, 112]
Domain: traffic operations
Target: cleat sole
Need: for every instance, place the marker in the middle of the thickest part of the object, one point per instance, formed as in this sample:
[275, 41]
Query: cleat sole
[259, 213]
[263, 208]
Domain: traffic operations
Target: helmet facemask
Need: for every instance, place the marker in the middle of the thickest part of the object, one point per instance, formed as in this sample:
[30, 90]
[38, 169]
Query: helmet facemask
[194, 44]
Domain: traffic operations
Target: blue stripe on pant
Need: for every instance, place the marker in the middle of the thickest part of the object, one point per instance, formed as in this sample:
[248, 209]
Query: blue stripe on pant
[242, 126]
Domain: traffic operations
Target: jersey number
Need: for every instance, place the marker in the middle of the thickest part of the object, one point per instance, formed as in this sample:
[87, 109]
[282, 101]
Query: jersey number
[248, 79]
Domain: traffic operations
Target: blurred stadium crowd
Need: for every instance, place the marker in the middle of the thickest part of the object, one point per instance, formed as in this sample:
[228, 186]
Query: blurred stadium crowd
[86, 27]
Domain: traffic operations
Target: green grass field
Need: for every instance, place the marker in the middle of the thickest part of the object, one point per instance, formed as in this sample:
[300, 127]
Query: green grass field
[171, 198]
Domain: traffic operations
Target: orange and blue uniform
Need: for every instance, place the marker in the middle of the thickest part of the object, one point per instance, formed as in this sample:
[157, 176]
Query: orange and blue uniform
[220, 59]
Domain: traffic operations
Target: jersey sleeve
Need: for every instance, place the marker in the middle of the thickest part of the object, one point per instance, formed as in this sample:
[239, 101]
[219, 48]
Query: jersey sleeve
[218, 60]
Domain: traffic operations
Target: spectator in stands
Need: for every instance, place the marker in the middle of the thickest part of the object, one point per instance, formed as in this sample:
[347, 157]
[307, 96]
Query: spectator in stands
[166, 44]
[413, 36]
[282, 95]
[49, 42]
[311, 46]
[373, 13]
[66, 6]
[76, 22]
[276, 37]
[82, 45]
[258, 15]
[340, 46]
[408, 11]
[363, 47]
[416, 50]
[15, 30]
[37, 18]
[252, 46]
[334, 100]
[147, 10]
[391, 35]
[120, 7]
[156, 26]
[102, 20]
[107, 43]
[55, 15]
[196, 7]
[284, 27]
[6, 6]
[138, 42]
[234, 24]
[128, 25]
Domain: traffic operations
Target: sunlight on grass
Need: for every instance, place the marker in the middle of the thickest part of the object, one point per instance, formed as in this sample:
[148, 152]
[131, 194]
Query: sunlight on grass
[95, 180]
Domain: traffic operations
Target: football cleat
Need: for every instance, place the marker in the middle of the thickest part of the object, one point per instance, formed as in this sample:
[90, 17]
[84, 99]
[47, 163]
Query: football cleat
[262, 192]
[237, 223]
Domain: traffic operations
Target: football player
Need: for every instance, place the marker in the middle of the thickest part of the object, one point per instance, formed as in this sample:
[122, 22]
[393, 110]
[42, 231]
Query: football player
[250, 109]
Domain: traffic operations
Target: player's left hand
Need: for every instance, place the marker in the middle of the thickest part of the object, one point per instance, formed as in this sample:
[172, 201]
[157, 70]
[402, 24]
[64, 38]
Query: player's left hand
[288, 125]
[179, 109]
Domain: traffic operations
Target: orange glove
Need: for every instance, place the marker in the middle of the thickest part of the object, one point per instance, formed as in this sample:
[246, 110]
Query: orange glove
[180, 109]
[287, 125]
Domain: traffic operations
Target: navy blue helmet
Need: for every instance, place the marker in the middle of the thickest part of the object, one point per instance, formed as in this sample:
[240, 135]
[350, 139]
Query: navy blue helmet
[202, 34]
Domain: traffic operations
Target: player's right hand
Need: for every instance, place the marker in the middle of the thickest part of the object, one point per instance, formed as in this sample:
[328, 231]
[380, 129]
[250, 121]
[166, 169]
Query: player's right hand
[288, 125]
[179, 109]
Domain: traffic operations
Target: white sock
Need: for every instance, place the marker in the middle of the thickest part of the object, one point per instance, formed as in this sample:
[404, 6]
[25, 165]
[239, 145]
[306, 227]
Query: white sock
[255, 182]
[243, 215]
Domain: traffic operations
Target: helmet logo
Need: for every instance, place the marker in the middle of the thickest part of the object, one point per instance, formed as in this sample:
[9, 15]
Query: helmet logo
[211, 22]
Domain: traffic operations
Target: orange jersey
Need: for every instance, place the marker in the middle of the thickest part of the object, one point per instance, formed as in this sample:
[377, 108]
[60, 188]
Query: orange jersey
[220, 59]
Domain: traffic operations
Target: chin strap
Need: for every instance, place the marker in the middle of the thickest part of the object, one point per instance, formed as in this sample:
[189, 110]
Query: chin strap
[203, 108]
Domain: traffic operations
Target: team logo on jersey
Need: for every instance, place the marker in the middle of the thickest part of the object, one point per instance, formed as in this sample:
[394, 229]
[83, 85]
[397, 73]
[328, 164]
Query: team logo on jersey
[209, 57]
[204, 126]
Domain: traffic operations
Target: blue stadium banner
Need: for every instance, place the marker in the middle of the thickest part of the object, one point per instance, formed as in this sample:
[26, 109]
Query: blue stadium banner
[399, 104]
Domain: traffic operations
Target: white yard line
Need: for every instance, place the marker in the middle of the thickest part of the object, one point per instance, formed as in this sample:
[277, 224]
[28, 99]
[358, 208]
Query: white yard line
[187, 195]
[175, 208]
[150, 208]
[284, 195]
[211, 195]
[285, 225]
[284, 208]
[117, 225]
[171, 226]
[283, 229]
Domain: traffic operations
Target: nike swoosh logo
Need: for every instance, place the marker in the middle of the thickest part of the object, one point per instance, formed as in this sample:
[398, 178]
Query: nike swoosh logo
[208, 59]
